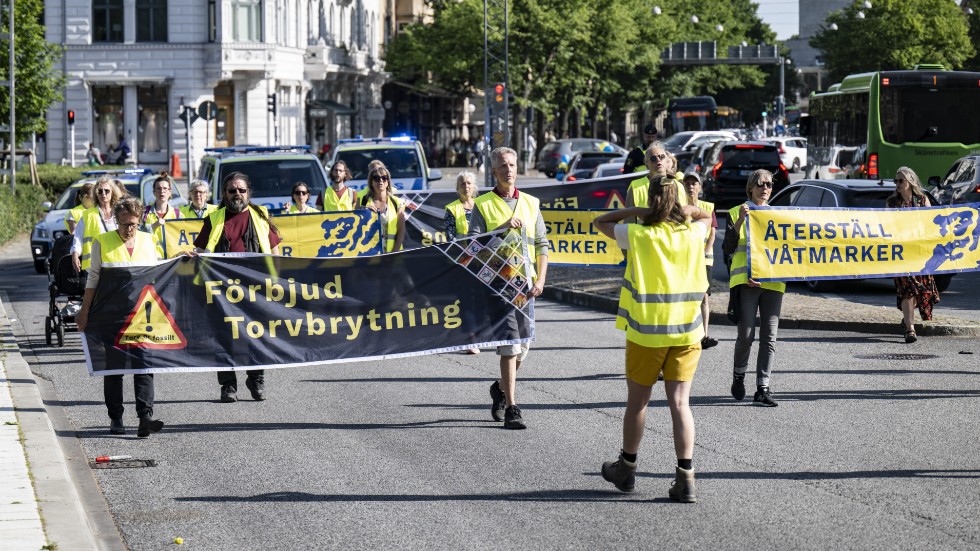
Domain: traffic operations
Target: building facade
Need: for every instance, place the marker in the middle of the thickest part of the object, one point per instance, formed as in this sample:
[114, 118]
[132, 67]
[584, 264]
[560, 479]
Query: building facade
[133, 66]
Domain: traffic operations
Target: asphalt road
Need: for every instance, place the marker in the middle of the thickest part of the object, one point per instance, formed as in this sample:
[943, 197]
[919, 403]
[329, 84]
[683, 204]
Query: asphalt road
[871, 448]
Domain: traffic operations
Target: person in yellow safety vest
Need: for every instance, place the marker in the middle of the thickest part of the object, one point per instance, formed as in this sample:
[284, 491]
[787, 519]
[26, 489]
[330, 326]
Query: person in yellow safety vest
[301, 198]
[659, 163]
[766, 297]
[501, 208]
[372, 166]
[239, 226]
[124, 244]
[663, 289]
[157, 214]
[199, 207]
[636, 160]
[96, 220]
[381, 199]
[338, 197]
[459, 212]
[692, 183]
[83, 202]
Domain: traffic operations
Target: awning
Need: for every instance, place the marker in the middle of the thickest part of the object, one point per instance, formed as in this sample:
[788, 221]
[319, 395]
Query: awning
[337, 108]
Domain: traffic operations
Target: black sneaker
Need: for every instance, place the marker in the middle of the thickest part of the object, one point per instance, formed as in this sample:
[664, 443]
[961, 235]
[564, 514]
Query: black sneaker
[513, 419]
[498, 401]
[738, 387]
[148, 426]
[707, 342]
[620, 474]
[257, 387]
[763, 397]
[116, 426]
[228, 394]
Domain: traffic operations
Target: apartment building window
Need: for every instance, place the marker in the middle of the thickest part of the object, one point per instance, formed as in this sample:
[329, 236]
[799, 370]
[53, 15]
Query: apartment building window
[151, 21]
[246, 20]
[107, 21]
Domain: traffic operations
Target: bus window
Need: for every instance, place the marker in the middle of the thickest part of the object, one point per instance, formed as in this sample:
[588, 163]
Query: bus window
[909, 114]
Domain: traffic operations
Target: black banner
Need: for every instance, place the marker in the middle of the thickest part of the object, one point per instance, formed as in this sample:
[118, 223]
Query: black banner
[249, 311]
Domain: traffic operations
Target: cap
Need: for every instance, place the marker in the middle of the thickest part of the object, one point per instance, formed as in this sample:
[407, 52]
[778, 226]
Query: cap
[650, 129]
[692, 175]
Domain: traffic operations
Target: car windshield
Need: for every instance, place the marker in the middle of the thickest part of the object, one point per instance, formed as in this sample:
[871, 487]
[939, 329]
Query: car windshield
[274, 177]
[871, 198]
[401, 162]
[67, 199]
[678, 139]
[751, 157]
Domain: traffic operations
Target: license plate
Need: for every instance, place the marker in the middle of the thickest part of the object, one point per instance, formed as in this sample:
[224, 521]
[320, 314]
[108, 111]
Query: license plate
[745, 172]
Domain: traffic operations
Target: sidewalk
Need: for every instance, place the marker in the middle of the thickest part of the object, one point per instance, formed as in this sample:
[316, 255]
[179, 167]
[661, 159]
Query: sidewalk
[598, 287]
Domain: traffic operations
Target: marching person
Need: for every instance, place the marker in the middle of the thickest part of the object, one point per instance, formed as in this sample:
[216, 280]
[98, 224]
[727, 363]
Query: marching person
[96, 220]
[239, 226]
[301, 197]
[692, 182]
[506, 207]
[459, 212]
[665, 258]
[83, 202]
[380, 198]
[764, 298]
[660, 164]
[338, 197]
[199, 207]
[157, 214]
[912, 291]
[124, 244]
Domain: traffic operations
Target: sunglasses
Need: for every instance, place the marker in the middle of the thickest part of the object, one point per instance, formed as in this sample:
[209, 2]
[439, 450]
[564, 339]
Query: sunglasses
[900, 180]
[237, 191]
[301, 193]
[101, 191]
[767, 185]
[381, 178]
[656, 157]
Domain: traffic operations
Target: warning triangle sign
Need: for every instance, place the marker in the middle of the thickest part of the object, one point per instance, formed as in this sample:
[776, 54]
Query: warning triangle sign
[615, 201]
[150, 325]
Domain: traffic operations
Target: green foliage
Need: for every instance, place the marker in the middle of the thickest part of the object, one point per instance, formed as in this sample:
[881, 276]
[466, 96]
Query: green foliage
[903, 32]
[38, 83]
[54, 178]
[19, 212]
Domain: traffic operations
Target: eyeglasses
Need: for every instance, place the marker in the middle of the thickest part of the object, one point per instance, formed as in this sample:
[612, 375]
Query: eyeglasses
[101, 191]
[128, 226]
[767, 185]
[656, 157]
[237, 191]
[382, 178]
[301, 193]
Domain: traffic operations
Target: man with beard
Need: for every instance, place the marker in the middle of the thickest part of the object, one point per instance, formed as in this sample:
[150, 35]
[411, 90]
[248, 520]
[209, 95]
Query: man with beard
[239, 226]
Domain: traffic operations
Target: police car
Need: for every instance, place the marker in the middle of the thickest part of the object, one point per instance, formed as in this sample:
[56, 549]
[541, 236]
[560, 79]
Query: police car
[138, 182]
[403, 156]
[272, 170]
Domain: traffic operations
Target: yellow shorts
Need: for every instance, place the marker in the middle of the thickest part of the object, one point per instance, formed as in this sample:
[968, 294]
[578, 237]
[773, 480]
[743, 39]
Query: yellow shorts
[678, 363]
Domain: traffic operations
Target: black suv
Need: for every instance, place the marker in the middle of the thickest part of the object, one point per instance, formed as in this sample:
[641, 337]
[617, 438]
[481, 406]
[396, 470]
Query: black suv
[725, 182]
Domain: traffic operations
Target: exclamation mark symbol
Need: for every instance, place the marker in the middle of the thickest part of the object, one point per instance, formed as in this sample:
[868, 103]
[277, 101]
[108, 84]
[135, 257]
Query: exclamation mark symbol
[146, 307]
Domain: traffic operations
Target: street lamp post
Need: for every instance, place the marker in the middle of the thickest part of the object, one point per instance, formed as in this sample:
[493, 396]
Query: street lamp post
[781, 100]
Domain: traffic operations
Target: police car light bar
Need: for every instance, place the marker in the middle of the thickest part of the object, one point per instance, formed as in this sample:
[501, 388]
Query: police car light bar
[122, 171]
[257, 149]
[378, 140]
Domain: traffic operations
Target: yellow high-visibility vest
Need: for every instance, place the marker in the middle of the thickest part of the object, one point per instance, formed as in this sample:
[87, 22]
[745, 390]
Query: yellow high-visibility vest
[294, 210]
[187, 211]
[459, 213]
[150, 217]
[334, 203]
[496, 212]
[259, 226]
[739, 274]
[640, 190]
[94, 226]
[74, 215]
[114, 249]
[709, 256]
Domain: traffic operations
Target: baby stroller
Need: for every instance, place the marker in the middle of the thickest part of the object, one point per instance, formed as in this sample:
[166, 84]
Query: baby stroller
[66, 287]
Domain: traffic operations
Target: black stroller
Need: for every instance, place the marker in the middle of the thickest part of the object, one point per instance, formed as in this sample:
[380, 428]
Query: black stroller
[66, 287]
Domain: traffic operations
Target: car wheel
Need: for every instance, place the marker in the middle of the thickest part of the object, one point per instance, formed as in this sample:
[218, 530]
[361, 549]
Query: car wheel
[818, 285]
[796, 166]
[40, 266]
[943, 281]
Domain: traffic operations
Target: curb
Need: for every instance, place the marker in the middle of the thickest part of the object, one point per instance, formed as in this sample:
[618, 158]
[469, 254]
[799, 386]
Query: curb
[73, 510]
[610, 305]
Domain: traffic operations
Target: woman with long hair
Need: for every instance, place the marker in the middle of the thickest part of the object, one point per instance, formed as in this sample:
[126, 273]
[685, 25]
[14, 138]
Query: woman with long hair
[96, 220]
[301, 198]
[380, 198]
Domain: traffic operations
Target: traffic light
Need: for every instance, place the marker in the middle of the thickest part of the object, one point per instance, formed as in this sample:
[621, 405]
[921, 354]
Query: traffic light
[272, 104]
[498, 92]
[71, 117]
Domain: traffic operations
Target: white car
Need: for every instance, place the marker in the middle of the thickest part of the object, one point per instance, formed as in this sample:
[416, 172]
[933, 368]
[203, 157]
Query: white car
[792, 152]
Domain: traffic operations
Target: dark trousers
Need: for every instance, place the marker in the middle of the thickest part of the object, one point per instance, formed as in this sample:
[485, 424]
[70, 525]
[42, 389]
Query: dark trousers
[228, 378]
[113, 388]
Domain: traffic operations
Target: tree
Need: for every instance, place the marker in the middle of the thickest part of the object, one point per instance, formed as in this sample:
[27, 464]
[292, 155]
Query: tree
[903, 32]
[37, 82]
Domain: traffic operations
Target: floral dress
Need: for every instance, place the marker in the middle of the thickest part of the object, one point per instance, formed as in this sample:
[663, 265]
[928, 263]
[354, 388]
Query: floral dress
[920, 288]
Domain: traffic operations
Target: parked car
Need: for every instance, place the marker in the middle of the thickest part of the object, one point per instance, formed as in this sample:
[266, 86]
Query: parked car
[838, 193]
[612, 168]
[833, 164]
[690, 140]
[698, 158]
[960, 185]
[725, 182]
[552, 153]
[792, 151]
[583, 164]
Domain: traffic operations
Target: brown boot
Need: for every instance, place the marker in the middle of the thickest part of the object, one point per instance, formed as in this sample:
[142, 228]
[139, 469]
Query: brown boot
[683, 488]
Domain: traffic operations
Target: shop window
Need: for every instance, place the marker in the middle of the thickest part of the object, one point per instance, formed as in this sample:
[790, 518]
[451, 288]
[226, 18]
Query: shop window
[107, 109]
[152, 119]
[107, 21]
[151, 21]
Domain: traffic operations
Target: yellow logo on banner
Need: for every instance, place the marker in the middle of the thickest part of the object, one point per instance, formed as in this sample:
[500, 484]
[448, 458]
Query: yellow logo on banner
[150, 325]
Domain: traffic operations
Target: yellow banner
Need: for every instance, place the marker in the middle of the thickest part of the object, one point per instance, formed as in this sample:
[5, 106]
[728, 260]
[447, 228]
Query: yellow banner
[791, 244]
[574, 240]
[323, 234]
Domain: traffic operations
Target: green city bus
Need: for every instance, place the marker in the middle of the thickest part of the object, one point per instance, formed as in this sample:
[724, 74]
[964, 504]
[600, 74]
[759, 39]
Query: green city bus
[871, 124]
